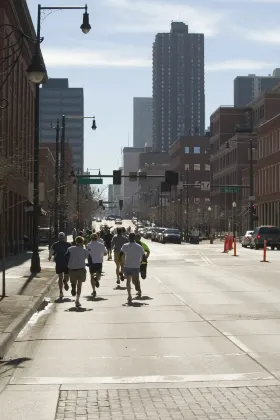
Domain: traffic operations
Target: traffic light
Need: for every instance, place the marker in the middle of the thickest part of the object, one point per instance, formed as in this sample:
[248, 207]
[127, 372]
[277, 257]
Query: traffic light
[171, 177]
[100, 203]
[120, 204]
[254, 209]
[117, 177]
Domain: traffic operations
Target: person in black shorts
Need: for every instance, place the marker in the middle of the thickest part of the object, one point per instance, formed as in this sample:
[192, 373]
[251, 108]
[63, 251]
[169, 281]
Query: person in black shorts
[58, 250]
[108, 242]
[96, 252]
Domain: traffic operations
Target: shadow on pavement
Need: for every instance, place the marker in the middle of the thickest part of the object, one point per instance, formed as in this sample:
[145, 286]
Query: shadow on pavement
[63, 300]
[119, 288]
[143, 298]
[95, 299]
[74, 309]
[18, 259]
[135, 304]
[12, 364]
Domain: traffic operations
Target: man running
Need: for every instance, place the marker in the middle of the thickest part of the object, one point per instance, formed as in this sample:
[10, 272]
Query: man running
[77, 256]
[58, 250]
[133, 254]
[143, 265]
[107, 242]
[96, 251]
[117, 242]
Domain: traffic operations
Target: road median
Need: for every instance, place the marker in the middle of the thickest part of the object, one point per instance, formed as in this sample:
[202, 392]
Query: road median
[16, 310]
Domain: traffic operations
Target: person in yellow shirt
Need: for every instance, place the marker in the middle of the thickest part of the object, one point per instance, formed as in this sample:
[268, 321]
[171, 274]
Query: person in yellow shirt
[143, 266]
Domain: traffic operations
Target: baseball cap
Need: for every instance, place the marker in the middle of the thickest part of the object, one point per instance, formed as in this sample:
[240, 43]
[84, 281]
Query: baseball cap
[61, 235]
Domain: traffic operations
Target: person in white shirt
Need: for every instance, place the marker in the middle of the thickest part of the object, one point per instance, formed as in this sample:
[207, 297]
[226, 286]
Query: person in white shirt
[133, 254]
[96, 250]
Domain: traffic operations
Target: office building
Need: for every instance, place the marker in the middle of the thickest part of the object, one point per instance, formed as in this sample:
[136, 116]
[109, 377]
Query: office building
[178, 85]
[248, 88]
[129, 188]
[142, 122]
[57, 99]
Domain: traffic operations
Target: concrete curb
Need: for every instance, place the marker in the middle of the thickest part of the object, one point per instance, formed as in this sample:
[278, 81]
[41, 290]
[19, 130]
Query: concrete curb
[8, 336]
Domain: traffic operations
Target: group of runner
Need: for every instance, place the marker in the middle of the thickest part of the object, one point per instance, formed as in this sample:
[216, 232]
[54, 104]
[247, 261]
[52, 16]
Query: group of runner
[88, 249]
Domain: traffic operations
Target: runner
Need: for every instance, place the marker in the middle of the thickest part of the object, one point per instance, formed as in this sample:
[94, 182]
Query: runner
[58, 251]
[143, 265]
[107, 241]
[96, 251]
[133, 253]
[117, 242]
[77, 256]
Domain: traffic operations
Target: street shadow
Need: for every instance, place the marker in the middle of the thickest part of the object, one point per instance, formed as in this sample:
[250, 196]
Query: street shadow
[135, 304]
[12, 364]
[74, 309]
[95, 299]
[25, 285]
[119, 288]
[20, 258]
[143, 298]
[63, 300]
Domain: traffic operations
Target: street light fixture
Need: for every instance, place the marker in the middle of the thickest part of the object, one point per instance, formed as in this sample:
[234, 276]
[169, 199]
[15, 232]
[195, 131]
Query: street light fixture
[85, 26]
[210, 225]
[234, 218]
[36, 70]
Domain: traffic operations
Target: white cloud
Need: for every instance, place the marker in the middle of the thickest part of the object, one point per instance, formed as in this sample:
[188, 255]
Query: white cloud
[270, 36]
[143, 16]
[93, 58]
[237, 65]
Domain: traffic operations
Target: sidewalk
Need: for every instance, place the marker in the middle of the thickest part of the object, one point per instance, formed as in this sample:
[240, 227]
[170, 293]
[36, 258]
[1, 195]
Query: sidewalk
[25, 294]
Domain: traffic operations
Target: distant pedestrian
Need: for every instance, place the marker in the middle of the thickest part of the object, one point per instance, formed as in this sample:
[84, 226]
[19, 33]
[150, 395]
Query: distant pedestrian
[117, 242]
[58, 251]
[74, 234]
[77, 256]
[108, 236]
[143, 265]
[96, 250]
[133, 254]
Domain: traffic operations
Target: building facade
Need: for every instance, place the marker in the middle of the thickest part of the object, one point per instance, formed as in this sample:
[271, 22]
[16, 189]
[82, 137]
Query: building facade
[129, 188]
[189, 202]
[142, 122]
[248, 88]
[178, 85]
[232, 130]
[57, 99]
[16, 127]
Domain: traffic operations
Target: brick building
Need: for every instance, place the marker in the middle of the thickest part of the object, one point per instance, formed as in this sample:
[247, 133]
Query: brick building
[231, 129]
[16, 126]
[267, 174]
[190, 157]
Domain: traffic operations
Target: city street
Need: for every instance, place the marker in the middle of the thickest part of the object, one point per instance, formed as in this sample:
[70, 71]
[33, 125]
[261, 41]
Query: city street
[202, 343]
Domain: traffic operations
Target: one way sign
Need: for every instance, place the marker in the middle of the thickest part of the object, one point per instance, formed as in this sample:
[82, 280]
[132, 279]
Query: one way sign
[205, 186]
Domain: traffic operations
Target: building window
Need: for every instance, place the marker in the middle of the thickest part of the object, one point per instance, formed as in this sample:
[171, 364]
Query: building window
[196, 166]
[187, 149]
[187, 166]
[196, 150]
[207, 167]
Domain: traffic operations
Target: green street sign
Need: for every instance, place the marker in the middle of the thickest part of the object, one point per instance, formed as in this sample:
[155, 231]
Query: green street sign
[87, 181]
[229, 189]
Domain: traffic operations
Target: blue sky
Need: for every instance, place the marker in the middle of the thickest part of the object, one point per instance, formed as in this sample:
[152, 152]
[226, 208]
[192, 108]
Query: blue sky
[113, 62]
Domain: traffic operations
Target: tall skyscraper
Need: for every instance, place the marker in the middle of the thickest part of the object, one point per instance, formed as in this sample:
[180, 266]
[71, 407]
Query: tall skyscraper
[142, 122]
[178, 85]
[248, 88]
[57, 99]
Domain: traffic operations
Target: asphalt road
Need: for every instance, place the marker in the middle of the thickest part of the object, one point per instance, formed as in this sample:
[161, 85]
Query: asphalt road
[202, 343]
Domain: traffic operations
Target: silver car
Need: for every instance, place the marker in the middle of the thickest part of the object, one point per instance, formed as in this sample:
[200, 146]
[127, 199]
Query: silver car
[246, 239]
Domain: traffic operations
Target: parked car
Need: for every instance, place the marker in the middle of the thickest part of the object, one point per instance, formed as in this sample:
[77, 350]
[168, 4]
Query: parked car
[158, 234]
[149, 233]
[154, 234]
[269, 233]
[45, 235]
[246, 239]
[118, 221]
[171, 236]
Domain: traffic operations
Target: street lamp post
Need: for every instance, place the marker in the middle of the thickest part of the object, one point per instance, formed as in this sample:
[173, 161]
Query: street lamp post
[210, 225]
[234, 219]
[37, 72]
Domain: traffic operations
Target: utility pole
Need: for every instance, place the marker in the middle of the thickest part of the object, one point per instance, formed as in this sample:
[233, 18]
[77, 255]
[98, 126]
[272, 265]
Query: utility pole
[62, 178]
[251, 215]
[56, 190]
